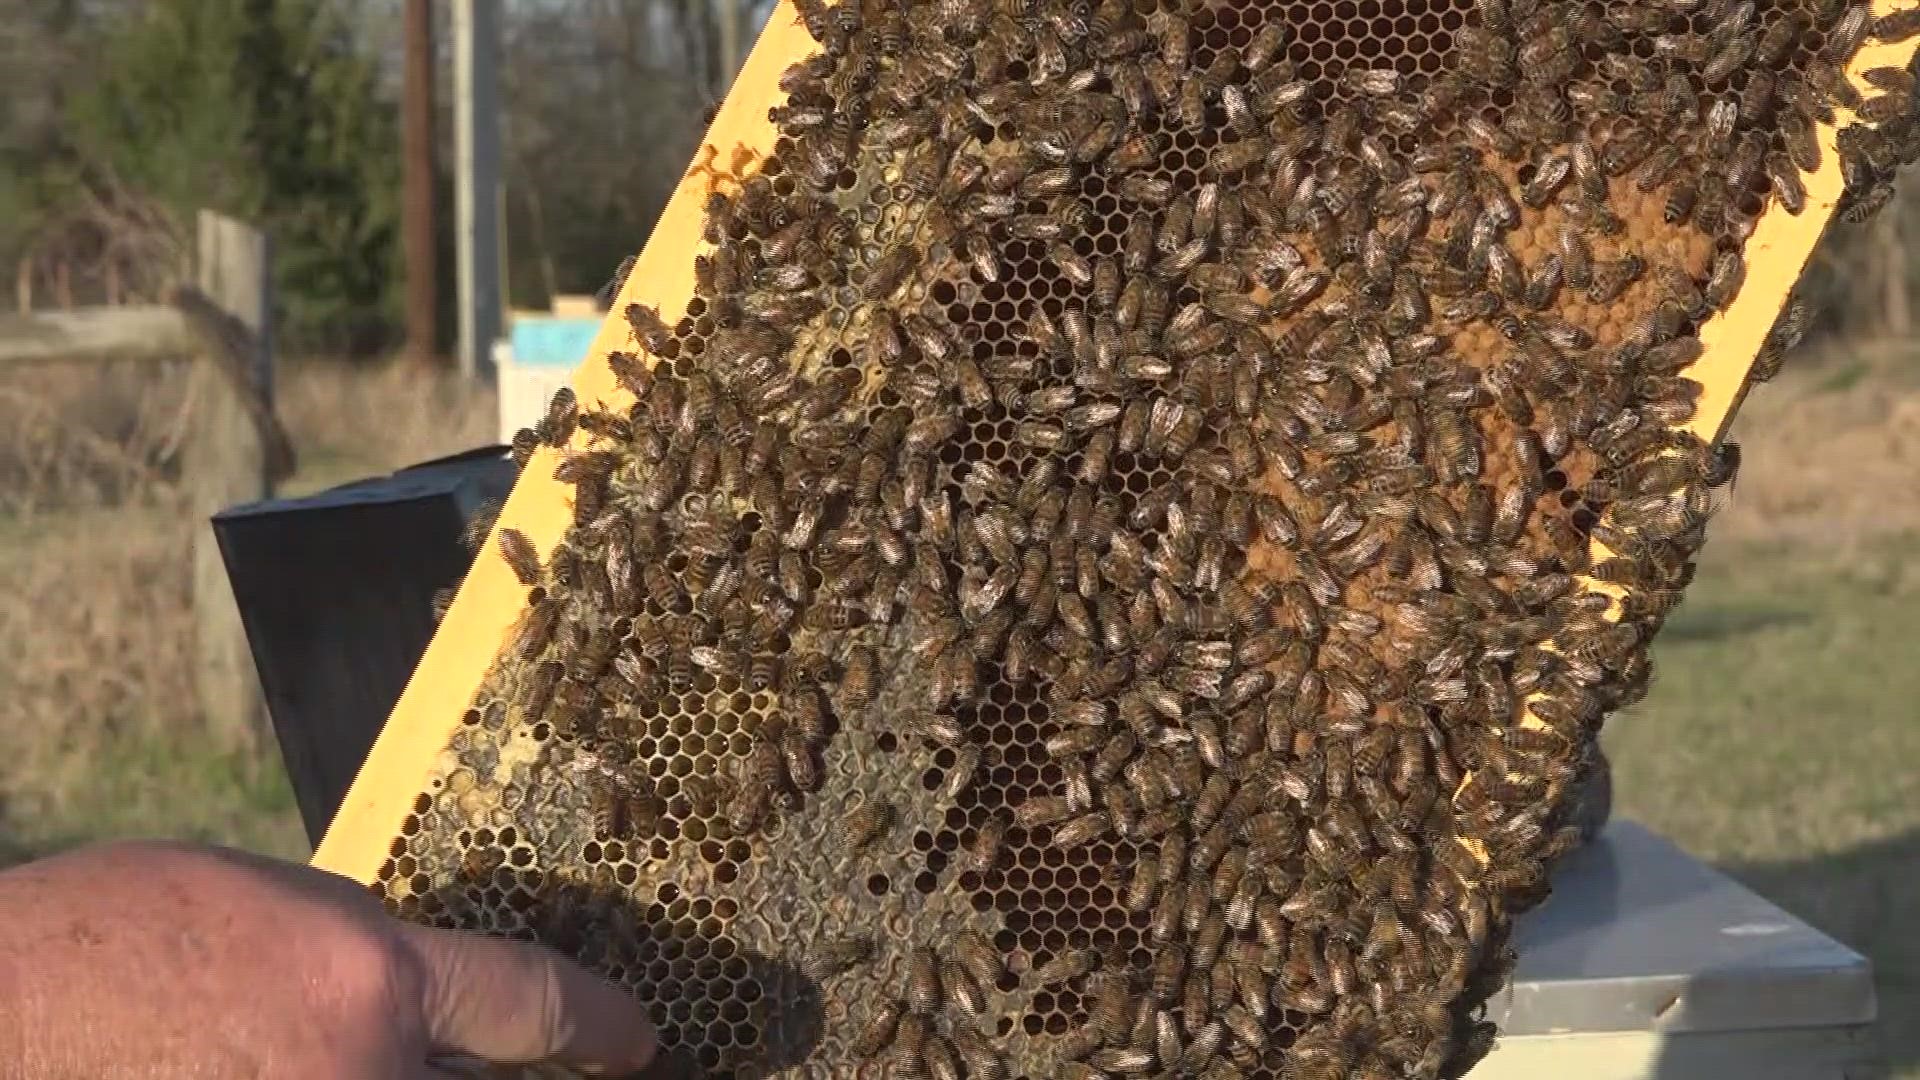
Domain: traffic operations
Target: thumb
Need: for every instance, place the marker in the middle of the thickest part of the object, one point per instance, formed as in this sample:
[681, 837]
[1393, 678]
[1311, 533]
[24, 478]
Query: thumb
[508, 1001]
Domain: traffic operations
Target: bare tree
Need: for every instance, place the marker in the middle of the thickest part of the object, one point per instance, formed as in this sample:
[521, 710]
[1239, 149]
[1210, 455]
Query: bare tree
[604, 106]
[605, 100]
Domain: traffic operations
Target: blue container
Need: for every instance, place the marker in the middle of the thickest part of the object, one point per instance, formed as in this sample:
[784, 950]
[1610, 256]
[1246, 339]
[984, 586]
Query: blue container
[552, 341]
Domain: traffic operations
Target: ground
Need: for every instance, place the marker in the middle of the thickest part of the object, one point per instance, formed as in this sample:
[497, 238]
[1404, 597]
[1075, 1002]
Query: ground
[1779, 741]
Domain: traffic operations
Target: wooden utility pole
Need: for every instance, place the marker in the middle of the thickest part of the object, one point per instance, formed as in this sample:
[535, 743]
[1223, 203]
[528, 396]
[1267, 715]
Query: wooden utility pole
[727, 15]
[476, 45]
[416, 203]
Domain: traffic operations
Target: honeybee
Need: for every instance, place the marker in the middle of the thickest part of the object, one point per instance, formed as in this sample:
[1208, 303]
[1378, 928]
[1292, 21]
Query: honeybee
[1612, 276]
[622, 807]
[961, 774]
[864, 825]
[1846, 35]
[879, 1030]
[1494, 137]
[557, 425]
[858, 678]
[1790, 327]
[923, 981]
[1151, 191]
[520, 556]
[982, 1061]
[983, 853]
[1549, 175]
[1486, 55]
[1585, 166]
[1867, 203]
[962, 990]
[1831, 85]
[1728, 59]
[1045, 183]
[1724, 279]
[649, 329]
[1069, 964]
[1081, 830]
[1681, 198]
[524, 443]
[981, 960]
[1784, 177]
[1265, 45]
[1884, 108]
[832, 957]
[1897, 26]
[890, 271]
[1723, 465]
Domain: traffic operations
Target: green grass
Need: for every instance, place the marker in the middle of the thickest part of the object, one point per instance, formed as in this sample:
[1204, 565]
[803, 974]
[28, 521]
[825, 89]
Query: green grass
[326, 467]
[145, 788]
[1844, 376]
[1780, 742]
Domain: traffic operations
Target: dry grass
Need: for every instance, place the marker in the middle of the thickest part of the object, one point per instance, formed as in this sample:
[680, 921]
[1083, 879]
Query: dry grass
[1831, 452]
[97, 710]
[89, 433]
[95, 700]
[352, 422]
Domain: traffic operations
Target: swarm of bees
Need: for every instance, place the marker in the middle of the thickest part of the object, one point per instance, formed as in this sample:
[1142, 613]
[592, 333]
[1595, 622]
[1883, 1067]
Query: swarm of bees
[1125, 495]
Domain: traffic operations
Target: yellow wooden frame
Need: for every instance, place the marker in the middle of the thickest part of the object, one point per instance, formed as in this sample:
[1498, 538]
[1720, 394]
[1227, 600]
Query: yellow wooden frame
[449, 675]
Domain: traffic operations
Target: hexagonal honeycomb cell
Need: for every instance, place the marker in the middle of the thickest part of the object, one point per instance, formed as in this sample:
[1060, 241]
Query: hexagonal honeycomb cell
[1121, 564]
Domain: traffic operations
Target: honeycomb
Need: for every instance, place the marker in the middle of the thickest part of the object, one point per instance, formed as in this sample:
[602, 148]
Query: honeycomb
[1120, 567]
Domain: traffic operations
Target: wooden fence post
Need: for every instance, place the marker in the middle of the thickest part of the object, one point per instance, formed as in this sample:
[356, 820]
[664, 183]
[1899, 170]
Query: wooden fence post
[225, 464]
[1898, 322]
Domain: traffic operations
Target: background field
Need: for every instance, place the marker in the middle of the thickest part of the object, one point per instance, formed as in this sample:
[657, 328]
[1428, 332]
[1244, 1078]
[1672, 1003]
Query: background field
[1780, 741]
[95, 703]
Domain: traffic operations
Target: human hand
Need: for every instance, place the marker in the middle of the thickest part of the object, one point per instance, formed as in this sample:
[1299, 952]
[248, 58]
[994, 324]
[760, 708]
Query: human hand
[157, 959]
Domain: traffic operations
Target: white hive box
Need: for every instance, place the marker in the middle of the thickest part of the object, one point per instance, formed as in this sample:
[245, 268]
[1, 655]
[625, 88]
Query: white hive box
[537, 357]
[1649, 965]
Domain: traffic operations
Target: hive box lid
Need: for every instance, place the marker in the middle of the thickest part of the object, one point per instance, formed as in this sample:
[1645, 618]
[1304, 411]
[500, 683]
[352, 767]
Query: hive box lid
[335, 591]
[1641, 937]
[553, 341]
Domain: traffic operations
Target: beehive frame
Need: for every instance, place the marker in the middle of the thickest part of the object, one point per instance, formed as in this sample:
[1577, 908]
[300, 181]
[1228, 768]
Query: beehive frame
[455, 665]
[490, 600]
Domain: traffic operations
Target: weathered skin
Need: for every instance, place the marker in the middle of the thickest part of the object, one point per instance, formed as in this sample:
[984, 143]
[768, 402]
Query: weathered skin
[170, 960]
